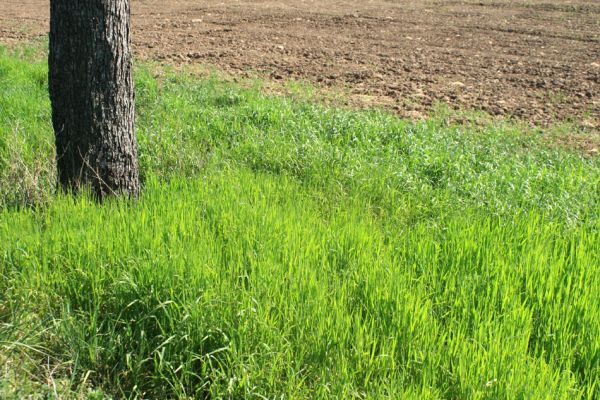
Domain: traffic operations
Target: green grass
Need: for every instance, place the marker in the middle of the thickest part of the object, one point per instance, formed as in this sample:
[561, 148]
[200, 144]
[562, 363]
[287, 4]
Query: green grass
[285, 250]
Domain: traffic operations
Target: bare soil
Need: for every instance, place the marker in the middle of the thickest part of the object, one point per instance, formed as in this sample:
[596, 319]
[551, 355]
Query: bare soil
[537, 61]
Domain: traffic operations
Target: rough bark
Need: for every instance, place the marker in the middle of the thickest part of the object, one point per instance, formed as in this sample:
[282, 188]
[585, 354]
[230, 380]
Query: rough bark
[91, 91]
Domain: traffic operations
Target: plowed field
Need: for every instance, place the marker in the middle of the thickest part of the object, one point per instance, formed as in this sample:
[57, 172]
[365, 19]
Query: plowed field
[537, 61]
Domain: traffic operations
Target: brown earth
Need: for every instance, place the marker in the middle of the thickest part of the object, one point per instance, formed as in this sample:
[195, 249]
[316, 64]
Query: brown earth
[537, 61]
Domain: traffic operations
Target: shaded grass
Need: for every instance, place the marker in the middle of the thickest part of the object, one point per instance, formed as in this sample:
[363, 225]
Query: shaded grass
[286, 250]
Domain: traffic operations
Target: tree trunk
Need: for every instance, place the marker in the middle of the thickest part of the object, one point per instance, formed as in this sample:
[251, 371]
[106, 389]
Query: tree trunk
[91, 91]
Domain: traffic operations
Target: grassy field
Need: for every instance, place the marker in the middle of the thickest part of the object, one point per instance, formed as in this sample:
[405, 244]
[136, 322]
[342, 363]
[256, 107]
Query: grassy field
[286, 250]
